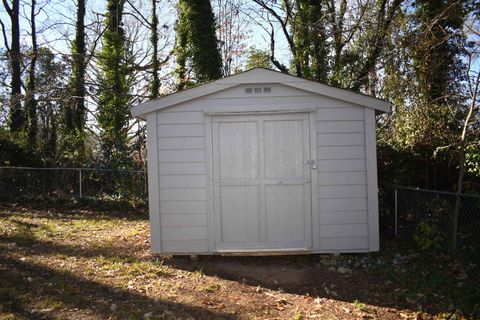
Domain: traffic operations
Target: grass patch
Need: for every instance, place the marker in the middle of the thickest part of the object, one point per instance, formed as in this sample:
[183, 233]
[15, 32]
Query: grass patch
[360, 305]
[211, 288]
[79, 263]
[131, 267]
[198, 274]
[297, 316]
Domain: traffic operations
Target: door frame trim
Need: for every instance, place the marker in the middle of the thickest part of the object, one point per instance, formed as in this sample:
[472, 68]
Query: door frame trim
[210, 197]
[254, 110]
[314, 183]
[208, 115]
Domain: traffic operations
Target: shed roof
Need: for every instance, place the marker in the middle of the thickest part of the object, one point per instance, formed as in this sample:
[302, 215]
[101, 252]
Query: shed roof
[258, 76]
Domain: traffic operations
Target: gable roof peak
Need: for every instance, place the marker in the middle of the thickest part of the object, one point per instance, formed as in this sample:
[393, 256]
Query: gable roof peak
[258, 75]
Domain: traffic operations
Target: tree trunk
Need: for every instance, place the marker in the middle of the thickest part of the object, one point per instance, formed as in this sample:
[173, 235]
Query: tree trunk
[382, 25]
[461, 159]
[75, 113]
[30, 101]
[17, 116]
[113, 109]
[79, 69]
[155, 63]
[458, 198]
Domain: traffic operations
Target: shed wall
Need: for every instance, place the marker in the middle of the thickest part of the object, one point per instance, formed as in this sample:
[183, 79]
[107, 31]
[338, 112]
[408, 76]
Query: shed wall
[183, 176]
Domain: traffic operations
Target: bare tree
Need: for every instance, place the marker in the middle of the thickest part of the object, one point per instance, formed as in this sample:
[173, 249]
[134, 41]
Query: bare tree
[283, 15]
[17, 116]
[232, 32]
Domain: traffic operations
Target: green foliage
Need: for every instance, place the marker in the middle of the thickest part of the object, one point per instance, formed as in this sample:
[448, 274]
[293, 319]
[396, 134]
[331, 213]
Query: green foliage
[410, 55]
[423, 78]
[297, 316]
[51, 97]
[113, 111]
[50, 94]
[360, 305]
[428, 237]
[258, 58]
[448, 316]
[197, 44]
[211, 288]
[426, 127]
[14, 153]
[309, 35]
[472, 159]
[74, 112]
[423, 74]
[436, 45]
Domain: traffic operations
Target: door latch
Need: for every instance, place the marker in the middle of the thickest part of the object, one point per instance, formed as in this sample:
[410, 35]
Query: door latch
[311, 163]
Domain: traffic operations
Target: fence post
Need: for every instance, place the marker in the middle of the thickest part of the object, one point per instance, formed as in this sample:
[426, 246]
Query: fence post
[456, 212]
[80, 182]
[396, 212]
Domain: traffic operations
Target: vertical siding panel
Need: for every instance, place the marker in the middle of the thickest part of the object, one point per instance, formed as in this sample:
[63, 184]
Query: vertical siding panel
[372, 189]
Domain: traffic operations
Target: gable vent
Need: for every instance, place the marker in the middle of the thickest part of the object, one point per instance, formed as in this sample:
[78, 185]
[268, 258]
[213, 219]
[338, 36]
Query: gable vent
[258, 90]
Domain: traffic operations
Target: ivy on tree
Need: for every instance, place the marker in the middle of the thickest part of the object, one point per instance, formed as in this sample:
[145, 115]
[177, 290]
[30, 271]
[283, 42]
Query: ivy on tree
[75, 113]
[113, 110]
[197, 45]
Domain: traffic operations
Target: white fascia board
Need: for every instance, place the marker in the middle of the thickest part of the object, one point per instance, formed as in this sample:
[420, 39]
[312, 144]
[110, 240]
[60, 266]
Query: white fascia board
[140, 110]
[341, 94]
[260, 75]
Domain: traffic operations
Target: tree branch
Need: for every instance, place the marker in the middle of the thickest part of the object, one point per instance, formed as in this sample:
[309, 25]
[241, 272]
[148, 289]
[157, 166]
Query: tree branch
[275, 62]
[7, 8]
[4, 33]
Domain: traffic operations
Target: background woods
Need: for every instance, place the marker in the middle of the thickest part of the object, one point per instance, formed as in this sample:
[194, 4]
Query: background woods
[70, 71]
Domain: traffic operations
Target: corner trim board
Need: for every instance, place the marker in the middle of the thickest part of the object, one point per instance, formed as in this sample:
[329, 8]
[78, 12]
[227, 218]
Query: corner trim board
[153, 184]
[372, 184]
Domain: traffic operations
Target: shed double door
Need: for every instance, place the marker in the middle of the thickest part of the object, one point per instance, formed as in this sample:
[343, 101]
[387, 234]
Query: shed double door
[262, 182]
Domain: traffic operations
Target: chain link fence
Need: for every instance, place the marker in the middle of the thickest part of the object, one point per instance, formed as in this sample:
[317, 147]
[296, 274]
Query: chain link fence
[23, 184]
[437, 220]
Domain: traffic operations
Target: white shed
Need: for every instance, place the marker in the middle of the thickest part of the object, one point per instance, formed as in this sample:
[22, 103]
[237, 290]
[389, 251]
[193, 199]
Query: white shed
[262, 162]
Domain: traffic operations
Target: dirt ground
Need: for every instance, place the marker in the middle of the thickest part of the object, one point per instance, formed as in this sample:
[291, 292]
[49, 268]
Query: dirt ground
[85, 264]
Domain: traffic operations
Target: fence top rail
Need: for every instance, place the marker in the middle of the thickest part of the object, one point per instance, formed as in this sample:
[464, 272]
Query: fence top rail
[76, 169]
[439, 192]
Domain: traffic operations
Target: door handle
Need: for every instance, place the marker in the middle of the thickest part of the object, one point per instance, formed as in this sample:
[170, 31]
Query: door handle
[311, 163]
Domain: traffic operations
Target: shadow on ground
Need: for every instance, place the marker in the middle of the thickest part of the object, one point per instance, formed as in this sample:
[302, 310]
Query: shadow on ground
[30, 290]
[58, 213]
[411, 281]
[407, 281]
[34, 282]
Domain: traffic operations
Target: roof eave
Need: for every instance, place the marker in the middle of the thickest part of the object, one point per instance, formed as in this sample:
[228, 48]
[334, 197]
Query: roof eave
[263, 76]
